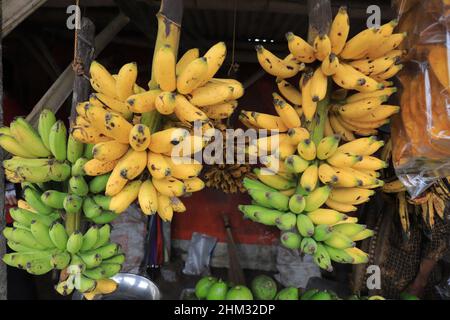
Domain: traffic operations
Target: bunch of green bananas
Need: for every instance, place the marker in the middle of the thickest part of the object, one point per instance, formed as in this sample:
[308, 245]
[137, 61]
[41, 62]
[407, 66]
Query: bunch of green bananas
[42, 244]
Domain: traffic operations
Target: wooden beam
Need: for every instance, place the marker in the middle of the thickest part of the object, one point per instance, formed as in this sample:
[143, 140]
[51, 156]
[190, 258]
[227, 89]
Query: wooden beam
[62, 87]
[15, 11]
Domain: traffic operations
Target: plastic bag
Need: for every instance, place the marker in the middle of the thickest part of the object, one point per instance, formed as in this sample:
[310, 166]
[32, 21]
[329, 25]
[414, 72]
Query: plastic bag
[199, 254]
[421, 131]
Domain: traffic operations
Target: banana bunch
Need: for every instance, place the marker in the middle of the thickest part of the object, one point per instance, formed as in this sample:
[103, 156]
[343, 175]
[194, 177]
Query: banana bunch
[363, 64]
[307, 192]
[41, 244]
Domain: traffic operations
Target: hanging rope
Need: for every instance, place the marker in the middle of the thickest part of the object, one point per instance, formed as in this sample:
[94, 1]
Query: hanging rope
[234, 66]
[77, 63]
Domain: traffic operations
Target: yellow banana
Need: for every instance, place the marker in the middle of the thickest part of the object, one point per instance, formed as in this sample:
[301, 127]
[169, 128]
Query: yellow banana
[390, 43]
[183, 168]
[309, 106]
[193, 184]
[330, 65]
[157, 165]
[370, 163]
[165, 210]
[389, 73]
[101, 80]
[361, 108]
[286, 149]
[96, 167]
[358, 255]
[186, 111]
[363, 178]
[220, 111]
[12, 146]
[327, 174]
[212, 93]
[310, 177]
[164, 68]
[319, 84]
[274, 65]
[125, 81]
[322, 47]
[345, 179]
[140, 137]
[14, 177]
[289, 92]
[359, 146]
[189, 146]
[339, 206]
[237, 87]
[273, 180]
[380, 113]
[177, 205]
[295, 135]
[307, 149]
[326, 216]
[300, 49]
[214, 57]
[395, 186]
[165, 102]
[143, 102]
[337, 127]
[169, 186]
[357, 46]
[378, 93]
[163, 141]
[328, 130]
[148, 198]
[132, 164]
[286, 112]
[187, 58]
[362, 124]
[100, 99]
[339, 30]
[343, 79]
[363, 83]
[372, 67]
[88, 135]
[121, 201]
[266, 121]
[343, 160]
[109, 150]
[117, 127]
[116, 182]
[192, 76]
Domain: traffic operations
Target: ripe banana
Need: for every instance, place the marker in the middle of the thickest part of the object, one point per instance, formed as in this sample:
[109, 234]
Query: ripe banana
[193, 75]
[164, 68]
[140, 137]
[28, 138]
[148, 198]
[330, 65]
[121, 201]
[322, 46]
[326, 216]
[286, 112]
[101, 80]
[310, 177]
[109, 150]
[300, 49]
[309, 106]
[274, 65]
[339, 30]
[215, 57]
[125, 81]
[193, 184]
[289, 92]
[164, 210]
[185, 59]
[165, 102]
[143, 102]
[186, 111]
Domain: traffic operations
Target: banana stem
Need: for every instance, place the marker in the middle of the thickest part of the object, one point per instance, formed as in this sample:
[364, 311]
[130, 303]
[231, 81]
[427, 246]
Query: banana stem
[317, 126]
[72, 222]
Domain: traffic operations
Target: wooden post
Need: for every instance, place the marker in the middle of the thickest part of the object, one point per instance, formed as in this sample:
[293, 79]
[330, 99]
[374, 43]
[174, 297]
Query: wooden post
[3, 282]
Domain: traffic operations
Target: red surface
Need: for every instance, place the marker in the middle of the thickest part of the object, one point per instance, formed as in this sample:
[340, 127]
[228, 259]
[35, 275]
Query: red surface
[204, 215]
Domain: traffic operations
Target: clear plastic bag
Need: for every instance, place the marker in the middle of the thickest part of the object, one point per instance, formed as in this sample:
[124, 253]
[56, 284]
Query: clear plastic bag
[421, 131]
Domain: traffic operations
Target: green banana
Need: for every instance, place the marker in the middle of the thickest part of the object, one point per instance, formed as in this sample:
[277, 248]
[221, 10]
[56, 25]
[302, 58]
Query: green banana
[349, 229]
[98, 183]
[77, 261]
[46, 120]
[12, 146]
[297, 203]
[308, 246]
[60, 260]
[8, 233]
[58, 141]
[75, 149]
[19, 225]
[16, 162]
[78, 167]
[73, 203]
[322, 258]
[286, 221]
[74, 242]
[20, 259]
[88, 151]
[90, 238]
[95, 273]
[367, 233]
[339, 255]
[26, 238]
[119, 258]
[249, 211]
[266, 216]
[90, 208]
[322, 232]
[33, 198]
[254, 184]
[78, 186]
[291, 240]
[278, 201]
[296, 164]
[110, 269]
[39, 267]
[305, 226]
[25, 217]
[58, 235]
[84, 284]
[102, 201]
[60, 171]
[106, 251]
[316, 198]
[339, 241]
[54, 199]
[18, 247]
[105, 217]
[63, 288]
[104, 233]
[40, 232]
[260, 197]
[28, 138]
[327, 146]
[91, 260]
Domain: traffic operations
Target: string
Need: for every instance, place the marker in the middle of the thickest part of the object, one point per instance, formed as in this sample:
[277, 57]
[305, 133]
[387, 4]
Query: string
[77, 64]
[232, 66]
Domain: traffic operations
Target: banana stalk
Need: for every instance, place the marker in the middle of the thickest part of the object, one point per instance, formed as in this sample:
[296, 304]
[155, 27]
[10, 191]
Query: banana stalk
[317, 126]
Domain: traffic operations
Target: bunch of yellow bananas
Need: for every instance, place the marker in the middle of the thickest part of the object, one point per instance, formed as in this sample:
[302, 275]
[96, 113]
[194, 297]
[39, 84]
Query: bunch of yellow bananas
[363, 63]
[120, 120]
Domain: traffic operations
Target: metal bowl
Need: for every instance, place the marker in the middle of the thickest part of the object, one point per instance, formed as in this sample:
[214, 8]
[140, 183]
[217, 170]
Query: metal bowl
[130, 287]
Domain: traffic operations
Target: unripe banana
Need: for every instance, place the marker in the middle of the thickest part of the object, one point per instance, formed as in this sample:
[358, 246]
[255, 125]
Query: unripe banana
[75, 149]
[60, 260]
[33, 198]
[322, 232]
[291, 240]
[73, 203]
[28, 138]
[339, 255]
[322, 258]
[286, 221]
[39, 266]
[90, 239]
[11, 145]
[305, 225]
[53, 198]
[40, 232]
[98, 183]
[297, 203]
[25, 238]
[350, 229]
[296, 164]
[317, 198]
[78, 167]
[308, 246]
[254, 184]
[103, 236]
[46, 120]
[75, 242]
[58, 235]
[339, 241]
[90, 208]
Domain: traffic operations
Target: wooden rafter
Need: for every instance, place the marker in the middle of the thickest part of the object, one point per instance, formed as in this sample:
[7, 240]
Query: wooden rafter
[15, 11]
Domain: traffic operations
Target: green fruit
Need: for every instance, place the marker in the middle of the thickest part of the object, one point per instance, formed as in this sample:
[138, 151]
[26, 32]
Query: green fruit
[203, 285]
[73, 203]
[287, 294]
[286, 221]
[75, 149]
[78, 186]
[291, 240]
[308, 294]
[239, 293]
[78, 167]
[88, 151]
[321, 295]
[98, 183]
[54, 199]
[308, 246]
[264, 288]
[408, 296]
[75, 242]
[297, 203]
[90, 208]
[218, 291]
[105, 217]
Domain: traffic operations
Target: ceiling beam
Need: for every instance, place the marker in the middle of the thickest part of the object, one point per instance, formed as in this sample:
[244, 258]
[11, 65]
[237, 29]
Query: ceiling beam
[15, 11]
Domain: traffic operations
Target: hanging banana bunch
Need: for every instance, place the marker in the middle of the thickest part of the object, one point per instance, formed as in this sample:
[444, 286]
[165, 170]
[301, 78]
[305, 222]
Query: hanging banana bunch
[311, 179]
